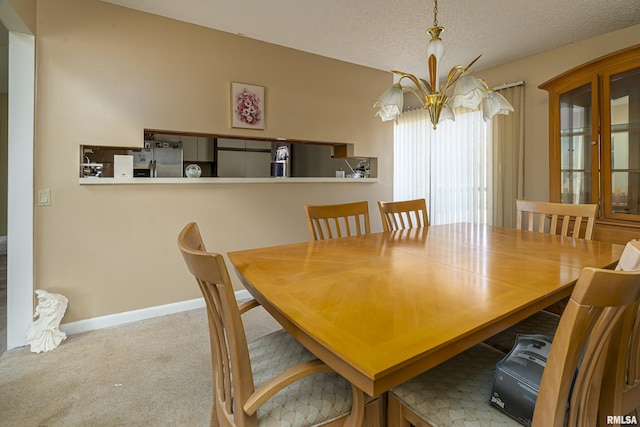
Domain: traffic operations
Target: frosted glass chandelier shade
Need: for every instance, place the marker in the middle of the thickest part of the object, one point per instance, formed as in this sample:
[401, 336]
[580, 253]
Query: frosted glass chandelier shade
[495, 104]
[390, 103]
[469, 92]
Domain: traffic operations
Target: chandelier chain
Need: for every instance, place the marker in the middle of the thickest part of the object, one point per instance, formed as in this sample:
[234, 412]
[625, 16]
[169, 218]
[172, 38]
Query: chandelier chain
[435, 14]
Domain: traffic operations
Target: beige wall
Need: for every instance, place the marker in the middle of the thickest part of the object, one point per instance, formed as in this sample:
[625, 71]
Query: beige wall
[104, 73]
[537, 69]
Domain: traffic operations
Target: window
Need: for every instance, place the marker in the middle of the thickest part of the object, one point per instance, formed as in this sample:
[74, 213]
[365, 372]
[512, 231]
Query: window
[449, 167]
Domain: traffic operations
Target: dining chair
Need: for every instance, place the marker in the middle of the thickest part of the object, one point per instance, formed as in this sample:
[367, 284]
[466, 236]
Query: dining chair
[459, 389]
[555, 218]
[334, 221]
[270, 381]
[403, 214]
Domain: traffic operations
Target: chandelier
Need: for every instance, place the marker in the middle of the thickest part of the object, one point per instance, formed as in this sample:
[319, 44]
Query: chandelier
[469, 92]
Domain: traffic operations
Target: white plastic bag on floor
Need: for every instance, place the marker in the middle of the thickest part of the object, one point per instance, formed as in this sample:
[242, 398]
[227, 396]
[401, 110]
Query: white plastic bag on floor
[44, 333]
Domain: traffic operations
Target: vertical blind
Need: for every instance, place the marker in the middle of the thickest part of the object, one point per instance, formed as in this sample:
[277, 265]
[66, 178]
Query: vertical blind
[449, 167]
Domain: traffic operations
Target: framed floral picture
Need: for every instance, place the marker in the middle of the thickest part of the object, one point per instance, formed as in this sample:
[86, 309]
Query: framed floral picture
[247, 106]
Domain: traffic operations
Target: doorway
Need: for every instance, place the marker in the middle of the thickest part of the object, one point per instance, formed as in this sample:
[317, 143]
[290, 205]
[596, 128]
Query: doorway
[20, 177]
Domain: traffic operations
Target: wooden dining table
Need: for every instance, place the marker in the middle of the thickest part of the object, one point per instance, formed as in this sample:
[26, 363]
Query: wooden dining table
[385, 307]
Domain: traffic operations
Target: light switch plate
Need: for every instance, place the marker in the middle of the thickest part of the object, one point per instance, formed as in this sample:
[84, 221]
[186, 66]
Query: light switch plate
[44, 197]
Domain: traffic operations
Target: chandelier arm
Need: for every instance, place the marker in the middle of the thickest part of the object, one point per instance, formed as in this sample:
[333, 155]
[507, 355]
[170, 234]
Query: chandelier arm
[472, 62]
[422, 96]
[453, 76]
[426, 85]
[413, 91]
[458, 71]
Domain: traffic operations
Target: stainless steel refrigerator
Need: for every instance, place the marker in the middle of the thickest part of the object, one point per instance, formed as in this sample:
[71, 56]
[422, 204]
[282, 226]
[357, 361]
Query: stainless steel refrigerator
[158, 159]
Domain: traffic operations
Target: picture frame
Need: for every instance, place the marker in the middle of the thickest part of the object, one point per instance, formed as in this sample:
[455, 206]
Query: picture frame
[247, 106]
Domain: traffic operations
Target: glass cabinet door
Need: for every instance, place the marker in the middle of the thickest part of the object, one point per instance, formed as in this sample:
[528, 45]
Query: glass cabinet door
[577, 146]
[622, 171]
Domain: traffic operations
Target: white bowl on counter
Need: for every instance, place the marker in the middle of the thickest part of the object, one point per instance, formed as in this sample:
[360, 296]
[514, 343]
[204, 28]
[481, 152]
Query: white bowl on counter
[193, 171]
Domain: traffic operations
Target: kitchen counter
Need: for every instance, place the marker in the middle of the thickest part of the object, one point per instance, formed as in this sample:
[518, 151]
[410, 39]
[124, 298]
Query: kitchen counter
[157, 181]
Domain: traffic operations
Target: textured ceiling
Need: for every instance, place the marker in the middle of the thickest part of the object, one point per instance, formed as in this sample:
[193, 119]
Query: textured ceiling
[391, 34]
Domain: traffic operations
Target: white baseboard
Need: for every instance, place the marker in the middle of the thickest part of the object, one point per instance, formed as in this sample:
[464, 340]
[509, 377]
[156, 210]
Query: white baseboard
[137, 315]
[130, 316]
[3, 244]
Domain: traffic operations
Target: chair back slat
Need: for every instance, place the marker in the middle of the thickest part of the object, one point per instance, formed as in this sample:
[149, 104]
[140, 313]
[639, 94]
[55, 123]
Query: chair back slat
[403, 214]
[556, 218]
[335, 221]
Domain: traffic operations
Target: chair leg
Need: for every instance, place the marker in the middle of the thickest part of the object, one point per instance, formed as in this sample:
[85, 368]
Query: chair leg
[394, 414]
[356, 417]
[399, 416]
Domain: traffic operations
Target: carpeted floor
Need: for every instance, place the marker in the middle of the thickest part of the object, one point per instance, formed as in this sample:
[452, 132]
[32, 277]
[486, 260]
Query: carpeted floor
[155, 372]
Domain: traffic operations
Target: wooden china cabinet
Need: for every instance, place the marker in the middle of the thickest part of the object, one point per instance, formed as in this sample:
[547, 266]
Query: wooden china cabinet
[594, 141]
